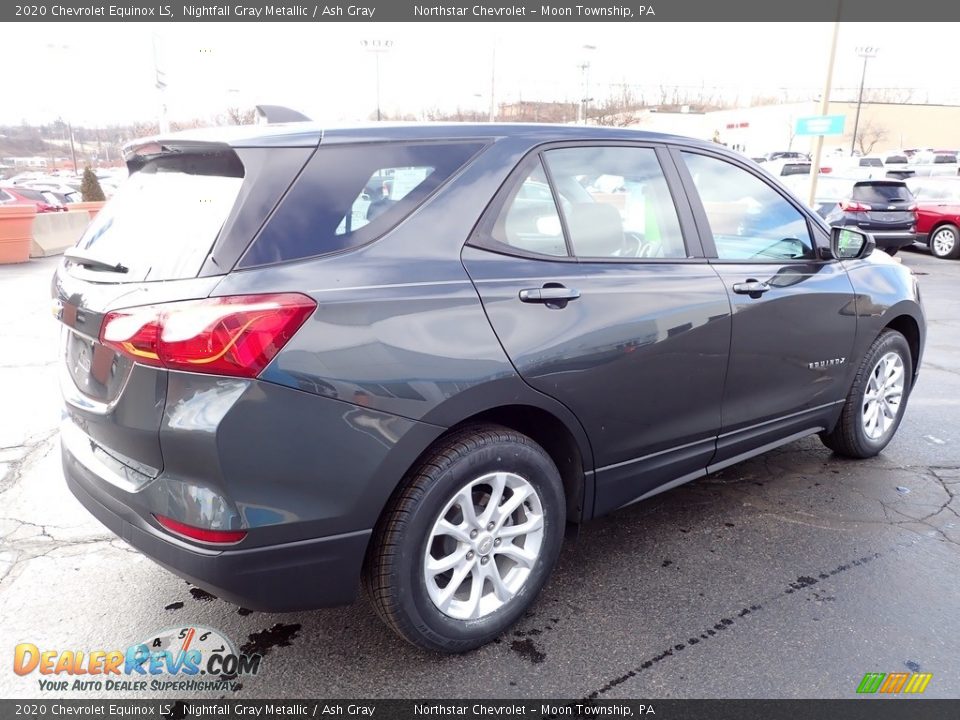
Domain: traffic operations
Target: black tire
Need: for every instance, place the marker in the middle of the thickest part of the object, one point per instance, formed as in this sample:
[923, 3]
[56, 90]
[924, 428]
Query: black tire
[954, 252]
[891, 251]
[849, 438]
[394, 573]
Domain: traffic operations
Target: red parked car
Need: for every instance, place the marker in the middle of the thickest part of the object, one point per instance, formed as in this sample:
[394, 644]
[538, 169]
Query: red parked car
[27, 196]
[938, 214]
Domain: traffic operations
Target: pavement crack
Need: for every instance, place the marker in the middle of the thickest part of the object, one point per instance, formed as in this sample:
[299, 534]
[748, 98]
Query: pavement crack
[36, 448]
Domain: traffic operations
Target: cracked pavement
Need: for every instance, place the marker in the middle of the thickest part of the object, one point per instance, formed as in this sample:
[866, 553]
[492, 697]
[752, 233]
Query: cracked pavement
[790, 575]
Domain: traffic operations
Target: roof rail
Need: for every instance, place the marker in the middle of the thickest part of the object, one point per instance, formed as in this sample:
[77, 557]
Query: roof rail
[270, 114]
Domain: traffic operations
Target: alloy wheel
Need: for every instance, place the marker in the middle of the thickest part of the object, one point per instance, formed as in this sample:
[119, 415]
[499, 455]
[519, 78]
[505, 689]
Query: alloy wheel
[943, 242]
[883, 395]
[483, 546]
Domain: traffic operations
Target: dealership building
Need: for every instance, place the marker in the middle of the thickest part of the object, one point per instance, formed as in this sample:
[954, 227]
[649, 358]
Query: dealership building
[767, 128]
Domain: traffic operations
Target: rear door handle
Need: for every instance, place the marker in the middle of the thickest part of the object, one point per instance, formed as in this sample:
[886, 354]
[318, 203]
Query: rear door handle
[753, 288]
[549, 294]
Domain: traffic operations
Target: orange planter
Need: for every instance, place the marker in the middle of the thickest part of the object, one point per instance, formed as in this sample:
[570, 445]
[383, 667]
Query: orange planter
[16, 230]
[91, 207]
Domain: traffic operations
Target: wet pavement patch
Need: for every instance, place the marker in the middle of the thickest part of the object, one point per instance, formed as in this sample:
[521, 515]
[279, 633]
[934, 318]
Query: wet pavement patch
[528, 650]
[262, 642]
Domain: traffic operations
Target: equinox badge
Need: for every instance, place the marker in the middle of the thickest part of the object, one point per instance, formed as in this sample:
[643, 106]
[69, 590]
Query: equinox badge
[826, 363]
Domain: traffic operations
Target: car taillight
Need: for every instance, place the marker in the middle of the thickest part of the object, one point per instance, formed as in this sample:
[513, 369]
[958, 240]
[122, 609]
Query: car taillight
[826, 170]
[237, 335]
[852, 206]
[202, 534]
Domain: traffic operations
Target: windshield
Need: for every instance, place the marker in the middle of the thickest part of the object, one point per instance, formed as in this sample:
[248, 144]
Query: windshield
[164, 219]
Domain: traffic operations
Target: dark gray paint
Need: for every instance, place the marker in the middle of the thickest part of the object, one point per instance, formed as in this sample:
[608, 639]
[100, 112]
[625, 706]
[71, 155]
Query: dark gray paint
[656, 371]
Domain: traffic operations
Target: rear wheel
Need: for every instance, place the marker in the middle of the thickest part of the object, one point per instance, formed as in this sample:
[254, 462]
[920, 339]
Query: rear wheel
[466, 546]
[876, 401]
[945, 242]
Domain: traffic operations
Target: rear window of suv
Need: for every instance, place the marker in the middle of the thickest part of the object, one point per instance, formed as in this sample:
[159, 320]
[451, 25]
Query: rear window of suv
[165, 217]
[350, 195]
[880, 192]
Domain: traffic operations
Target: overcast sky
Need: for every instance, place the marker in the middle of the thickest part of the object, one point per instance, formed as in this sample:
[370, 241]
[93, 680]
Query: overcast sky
[98, 74]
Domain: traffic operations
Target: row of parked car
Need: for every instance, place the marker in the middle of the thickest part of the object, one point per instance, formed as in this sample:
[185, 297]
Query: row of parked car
[53, 193]
[900, 164]
[896, 212]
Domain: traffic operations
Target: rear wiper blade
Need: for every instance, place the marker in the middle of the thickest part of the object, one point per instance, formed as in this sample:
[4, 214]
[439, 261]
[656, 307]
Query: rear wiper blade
[81, 258]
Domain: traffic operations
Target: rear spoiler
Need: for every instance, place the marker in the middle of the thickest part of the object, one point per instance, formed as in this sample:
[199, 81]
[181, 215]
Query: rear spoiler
[140, 152]
[270, 114]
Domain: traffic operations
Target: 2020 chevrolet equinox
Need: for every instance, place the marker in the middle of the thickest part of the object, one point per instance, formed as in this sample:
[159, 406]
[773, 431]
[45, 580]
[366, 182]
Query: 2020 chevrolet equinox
[297, 360]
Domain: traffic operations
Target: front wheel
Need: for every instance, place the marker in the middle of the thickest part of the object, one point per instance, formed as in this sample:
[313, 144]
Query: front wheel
[876, 401]
[466, 546]
[945, 242]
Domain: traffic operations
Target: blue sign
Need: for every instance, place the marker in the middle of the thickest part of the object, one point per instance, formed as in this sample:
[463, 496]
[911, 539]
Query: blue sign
[821, 125]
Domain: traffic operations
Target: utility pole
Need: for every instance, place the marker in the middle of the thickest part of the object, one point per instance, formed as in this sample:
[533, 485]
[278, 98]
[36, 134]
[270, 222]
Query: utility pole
[824, 108]
[160, 82]
[377, 47]
[493, 81]
[866, 52]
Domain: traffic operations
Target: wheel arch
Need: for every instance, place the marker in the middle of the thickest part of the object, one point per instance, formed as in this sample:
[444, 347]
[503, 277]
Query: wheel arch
[553, 435]
[907, 325]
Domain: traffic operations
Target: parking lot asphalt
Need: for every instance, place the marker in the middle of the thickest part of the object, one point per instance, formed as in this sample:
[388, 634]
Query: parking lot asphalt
[790, 575]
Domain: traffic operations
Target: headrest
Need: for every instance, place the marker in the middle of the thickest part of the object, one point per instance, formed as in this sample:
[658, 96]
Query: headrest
[596, 229]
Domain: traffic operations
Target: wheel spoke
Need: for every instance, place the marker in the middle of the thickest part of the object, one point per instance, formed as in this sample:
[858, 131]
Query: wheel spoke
[435, 566]
[508, 508]
[511, 531]
[517, 554]
[446, 595]
[476, 592]
[497, 483]
[460, 532]
[469, 510]
[499, 588]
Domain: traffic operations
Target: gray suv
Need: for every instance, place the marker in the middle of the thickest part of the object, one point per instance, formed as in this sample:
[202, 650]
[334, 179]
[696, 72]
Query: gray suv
[297, 361]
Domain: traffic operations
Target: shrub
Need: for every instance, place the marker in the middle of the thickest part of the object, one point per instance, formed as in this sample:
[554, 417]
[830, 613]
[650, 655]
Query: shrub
[90, 188]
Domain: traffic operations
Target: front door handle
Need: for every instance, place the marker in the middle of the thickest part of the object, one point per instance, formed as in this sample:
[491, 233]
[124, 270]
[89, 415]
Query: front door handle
[550, 294]
[753, 288]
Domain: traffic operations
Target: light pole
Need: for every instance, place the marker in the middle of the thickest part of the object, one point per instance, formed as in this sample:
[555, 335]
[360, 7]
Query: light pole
[160, 83]
[824, 107]
[62, 49]
[584, 105]
[377, 47]
[866, 52]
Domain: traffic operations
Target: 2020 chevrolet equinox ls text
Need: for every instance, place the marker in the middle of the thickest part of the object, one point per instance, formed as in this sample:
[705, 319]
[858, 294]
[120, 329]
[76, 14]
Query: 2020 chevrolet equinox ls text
[297, 361]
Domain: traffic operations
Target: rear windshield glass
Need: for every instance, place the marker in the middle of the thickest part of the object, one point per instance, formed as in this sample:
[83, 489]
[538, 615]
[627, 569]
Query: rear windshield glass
[944, 159]
[352, 194]
[881, 192]
[163, 220]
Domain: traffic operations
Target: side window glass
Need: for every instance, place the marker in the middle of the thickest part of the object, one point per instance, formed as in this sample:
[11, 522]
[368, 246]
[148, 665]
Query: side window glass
[383, 189]
[616, 202]
[529, 220]
[748, 218]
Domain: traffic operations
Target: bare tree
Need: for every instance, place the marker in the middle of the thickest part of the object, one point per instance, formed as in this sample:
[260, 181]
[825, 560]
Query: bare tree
[237, 116]
[869, 134]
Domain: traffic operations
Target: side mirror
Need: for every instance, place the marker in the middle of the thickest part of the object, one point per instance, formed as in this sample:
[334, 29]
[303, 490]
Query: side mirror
[850, 243]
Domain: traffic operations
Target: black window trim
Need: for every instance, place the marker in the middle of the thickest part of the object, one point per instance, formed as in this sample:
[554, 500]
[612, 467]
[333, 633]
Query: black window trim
[481, 236]
[819, 235]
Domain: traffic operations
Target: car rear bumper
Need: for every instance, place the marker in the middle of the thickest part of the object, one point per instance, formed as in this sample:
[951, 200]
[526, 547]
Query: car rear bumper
[893, 239]
[284, 577]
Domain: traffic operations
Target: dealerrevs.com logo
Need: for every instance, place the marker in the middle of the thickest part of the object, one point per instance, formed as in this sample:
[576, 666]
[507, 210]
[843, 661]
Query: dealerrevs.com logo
[177, 659]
